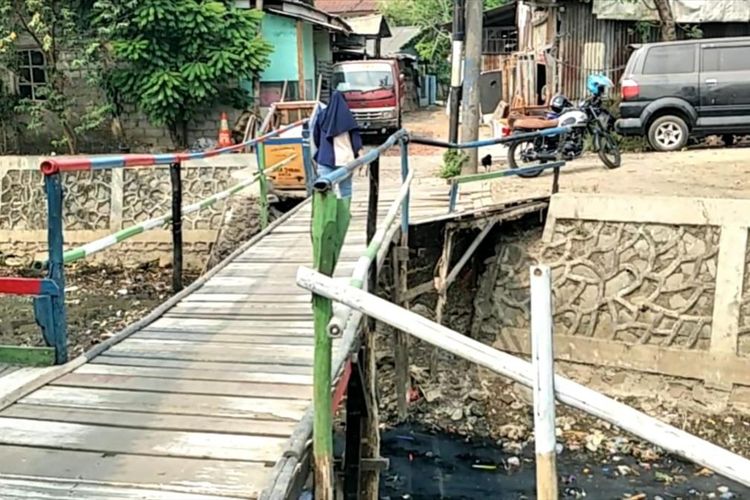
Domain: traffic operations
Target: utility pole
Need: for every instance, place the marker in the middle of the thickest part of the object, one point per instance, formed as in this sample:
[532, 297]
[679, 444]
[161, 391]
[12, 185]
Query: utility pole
[456, 63]
[472, 67]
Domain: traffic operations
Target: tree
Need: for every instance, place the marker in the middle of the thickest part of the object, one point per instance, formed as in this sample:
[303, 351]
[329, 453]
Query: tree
[431, 16]
[666, 17]
[174, 59]
[663, 9]
[59, 29]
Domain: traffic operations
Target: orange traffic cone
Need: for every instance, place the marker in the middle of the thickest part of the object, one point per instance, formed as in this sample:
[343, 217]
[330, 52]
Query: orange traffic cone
[225, 136]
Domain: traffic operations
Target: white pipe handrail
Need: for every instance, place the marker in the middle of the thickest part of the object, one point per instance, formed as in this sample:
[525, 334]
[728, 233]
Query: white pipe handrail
[661, 434]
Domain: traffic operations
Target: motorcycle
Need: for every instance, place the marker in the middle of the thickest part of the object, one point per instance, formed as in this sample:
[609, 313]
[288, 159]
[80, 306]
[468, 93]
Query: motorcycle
[587, 120]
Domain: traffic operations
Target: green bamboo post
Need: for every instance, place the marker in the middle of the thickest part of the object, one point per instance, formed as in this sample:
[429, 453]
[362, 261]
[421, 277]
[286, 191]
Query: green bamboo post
[329, 226]
[263, 185]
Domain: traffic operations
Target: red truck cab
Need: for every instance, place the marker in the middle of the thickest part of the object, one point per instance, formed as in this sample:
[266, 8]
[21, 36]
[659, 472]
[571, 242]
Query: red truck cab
[374, 90]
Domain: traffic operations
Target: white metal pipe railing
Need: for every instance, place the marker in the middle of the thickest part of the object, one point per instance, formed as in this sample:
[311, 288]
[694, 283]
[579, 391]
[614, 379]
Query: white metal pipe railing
[571, 393]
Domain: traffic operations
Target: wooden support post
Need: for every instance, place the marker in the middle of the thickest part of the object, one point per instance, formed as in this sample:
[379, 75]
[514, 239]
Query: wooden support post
[330, 222]
[371, 448]
[443, 266]
[301, 60]
[556, 180]
[356, 412]
[467, 255]
[57, 337]
[544, 382]
[263, 184]
[176, 179]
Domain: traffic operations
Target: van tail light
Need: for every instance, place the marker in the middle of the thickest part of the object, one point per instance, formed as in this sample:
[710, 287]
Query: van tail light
[629, 89]
[505, 131]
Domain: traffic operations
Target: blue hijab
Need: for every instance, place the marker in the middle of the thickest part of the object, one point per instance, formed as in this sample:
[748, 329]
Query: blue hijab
[333, 121]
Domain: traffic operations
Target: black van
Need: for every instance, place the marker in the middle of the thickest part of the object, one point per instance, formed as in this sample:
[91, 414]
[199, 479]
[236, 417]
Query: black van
[672, 91]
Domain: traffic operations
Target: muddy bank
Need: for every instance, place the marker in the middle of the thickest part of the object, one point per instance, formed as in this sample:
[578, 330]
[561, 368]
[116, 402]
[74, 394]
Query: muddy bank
[459, 398]
[426, 465]
[100, 302]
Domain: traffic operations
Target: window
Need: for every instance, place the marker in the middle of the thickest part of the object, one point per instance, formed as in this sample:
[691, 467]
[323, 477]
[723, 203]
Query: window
[670, 60]
[499, 41]
[32, 74]
[726, 59]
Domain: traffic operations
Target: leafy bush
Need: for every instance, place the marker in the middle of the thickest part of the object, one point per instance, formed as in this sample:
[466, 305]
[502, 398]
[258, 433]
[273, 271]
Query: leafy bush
[453, 160]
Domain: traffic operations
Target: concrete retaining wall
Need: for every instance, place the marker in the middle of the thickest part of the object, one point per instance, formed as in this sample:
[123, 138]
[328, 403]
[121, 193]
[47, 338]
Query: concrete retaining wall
[100, 203]
[657, 286]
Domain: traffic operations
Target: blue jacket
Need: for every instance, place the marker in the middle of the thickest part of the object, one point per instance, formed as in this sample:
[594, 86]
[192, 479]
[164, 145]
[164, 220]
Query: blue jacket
[330, 122]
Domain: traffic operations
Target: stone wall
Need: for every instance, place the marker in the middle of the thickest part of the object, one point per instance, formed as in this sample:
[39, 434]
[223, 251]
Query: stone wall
[656, 286]
[97, 204]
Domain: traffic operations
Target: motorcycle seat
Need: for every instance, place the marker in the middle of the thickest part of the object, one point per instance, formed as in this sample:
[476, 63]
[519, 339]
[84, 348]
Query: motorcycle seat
[534, 123]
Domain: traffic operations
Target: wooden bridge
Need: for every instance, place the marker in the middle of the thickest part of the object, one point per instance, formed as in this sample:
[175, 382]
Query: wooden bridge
[200, 399]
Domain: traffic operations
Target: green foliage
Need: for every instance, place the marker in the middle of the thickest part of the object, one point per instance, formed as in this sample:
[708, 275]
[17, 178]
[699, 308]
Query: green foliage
[174, 59]
[434, 43]
[60, 29]
[453, 160]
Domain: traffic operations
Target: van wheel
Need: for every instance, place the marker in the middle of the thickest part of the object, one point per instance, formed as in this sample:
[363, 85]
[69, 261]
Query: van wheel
[668, 133]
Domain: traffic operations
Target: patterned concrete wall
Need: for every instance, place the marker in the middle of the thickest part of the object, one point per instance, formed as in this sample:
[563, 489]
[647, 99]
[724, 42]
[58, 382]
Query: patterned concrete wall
[99, 203]
[656, 285]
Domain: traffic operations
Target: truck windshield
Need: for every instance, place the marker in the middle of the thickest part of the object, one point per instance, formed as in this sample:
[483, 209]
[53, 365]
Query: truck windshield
[362, 78]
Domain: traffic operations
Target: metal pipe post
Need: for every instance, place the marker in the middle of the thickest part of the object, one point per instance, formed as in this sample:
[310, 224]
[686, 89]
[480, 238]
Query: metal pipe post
[456, 63]
[542, 357]
[261, 153]
[175, 174]
[307, 159]
[401, 285]
[57, 337]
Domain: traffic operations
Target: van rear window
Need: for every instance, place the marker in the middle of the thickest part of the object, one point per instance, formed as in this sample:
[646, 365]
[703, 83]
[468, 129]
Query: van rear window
[670, 59]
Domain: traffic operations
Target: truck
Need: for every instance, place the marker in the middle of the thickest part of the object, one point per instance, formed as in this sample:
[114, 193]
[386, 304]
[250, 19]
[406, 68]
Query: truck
[374, 91]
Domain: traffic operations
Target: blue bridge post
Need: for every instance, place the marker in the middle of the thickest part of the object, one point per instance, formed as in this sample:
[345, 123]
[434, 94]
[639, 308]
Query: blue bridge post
[56, 336]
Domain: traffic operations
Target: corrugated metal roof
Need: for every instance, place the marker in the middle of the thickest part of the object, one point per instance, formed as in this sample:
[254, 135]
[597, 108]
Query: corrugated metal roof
[394, 46]
[344, 7]
[372, 25]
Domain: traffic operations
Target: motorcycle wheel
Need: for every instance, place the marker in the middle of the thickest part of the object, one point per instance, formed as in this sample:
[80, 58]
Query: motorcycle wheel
[518, 148]
[609, 151]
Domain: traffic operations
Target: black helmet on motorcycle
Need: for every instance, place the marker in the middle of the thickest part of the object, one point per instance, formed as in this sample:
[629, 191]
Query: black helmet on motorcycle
[559, 103]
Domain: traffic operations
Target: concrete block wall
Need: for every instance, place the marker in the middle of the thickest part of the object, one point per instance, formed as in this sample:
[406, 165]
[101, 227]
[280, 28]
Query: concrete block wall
[658, 287]
[97, 204]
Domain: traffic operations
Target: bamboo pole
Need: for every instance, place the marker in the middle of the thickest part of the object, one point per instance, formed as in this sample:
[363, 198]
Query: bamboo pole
[542, 355]
[329, 225]
[383, 235]
[571, 393]
[467, 255]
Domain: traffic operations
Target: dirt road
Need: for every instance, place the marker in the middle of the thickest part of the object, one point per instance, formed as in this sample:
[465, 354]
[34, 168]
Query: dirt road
[710, 173]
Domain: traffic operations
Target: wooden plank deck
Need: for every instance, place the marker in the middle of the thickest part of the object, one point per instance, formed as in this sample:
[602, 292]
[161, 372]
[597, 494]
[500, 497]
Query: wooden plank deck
[200, 403]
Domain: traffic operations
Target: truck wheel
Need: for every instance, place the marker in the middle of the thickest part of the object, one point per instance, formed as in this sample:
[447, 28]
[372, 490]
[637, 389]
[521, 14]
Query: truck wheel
[668, 133]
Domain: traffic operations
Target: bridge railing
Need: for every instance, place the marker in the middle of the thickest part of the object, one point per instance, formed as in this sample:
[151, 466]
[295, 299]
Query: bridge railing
[329, 228]
[355, 372]
[49, 293]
